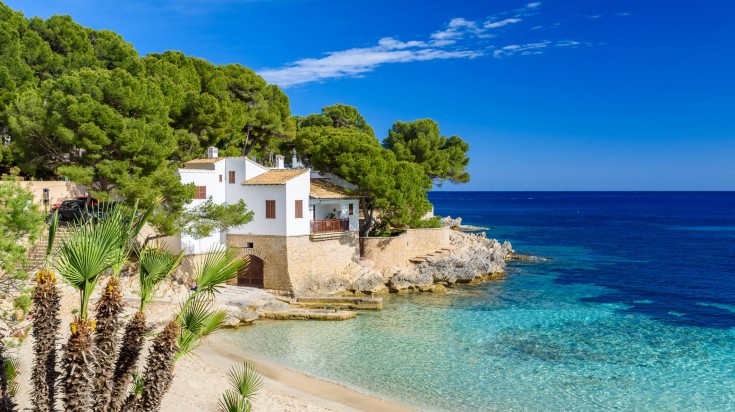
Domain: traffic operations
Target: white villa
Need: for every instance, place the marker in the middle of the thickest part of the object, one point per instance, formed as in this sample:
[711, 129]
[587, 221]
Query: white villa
[301, 219]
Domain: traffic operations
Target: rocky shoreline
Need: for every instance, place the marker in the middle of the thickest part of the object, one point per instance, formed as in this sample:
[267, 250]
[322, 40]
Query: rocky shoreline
[471, 258]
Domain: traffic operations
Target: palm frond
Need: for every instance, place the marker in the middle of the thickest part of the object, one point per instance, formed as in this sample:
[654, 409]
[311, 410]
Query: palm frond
[246, 380]
[136, 386]
[219, 266]
[85, 254]
[52, 234]
[197, 320]
[12, 371]
[155, 265]
[231, 401]
[143, 218]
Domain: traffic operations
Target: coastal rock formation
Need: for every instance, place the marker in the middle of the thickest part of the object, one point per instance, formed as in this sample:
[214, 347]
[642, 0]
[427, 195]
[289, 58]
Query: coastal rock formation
[448, 221]
[473, 257]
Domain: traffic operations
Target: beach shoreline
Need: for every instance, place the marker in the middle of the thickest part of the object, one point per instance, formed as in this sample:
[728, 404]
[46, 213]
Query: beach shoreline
[202, 377]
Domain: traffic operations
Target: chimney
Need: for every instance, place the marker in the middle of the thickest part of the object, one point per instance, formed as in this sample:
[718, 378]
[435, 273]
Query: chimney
[212, 152]
[279, 162]
[295, 160]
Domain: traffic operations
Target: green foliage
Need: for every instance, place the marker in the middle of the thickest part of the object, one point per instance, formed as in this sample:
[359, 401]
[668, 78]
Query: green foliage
[85, 255]
[434, 222]
[81, 103]
[200, 221]
[22, 302]
[246, 382]
[197, 320]
[396, 188]
[20, 225]
[219, 266]
[420, 142]
[155, 265]
[11, 366]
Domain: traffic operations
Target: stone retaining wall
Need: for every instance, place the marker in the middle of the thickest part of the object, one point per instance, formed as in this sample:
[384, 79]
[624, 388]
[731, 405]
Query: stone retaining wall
[292, 262]
[395, 252]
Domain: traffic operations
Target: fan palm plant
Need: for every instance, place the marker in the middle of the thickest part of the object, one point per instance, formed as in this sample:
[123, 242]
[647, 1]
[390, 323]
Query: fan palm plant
[155, 264]
[8, 380]
[83, 257]
[195, 320]
[245, 382]
[46, 323]
[109, 306]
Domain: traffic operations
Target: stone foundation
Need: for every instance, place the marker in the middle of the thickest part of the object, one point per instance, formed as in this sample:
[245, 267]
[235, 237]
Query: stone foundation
[290, 263]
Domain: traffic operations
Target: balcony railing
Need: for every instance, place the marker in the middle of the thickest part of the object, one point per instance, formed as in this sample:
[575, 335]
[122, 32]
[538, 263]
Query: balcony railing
[330, 225]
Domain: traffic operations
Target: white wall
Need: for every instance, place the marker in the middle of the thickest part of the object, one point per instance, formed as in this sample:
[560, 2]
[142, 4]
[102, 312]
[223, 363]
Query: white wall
[215, 190]
[298, 188]
[255, 197]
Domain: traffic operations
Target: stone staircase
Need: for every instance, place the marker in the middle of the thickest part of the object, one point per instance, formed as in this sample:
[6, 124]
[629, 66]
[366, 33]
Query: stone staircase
[37, 253]
[421, 259]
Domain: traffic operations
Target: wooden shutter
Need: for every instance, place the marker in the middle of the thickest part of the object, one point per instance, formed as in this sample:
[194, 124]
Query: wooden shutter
[220, 178]
[201, 192]
[231, 176]
[299, 209]
[270, 209]
[352, 209]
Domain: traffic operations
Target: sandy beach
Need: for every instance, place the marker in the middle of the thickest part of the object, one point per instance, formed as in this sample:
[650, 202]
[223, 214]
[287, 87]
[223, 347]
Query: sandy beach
[200, 379]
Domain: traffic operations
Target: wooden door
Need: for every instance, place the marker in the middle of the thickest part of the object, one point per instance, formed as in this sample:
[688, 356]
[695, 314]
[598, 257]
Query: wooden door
[252, 274]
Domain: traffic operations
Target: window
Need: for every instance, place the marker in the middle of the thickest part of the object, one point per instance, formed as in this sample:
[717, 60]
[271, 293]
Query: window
[231, 177]
[249, 245]
[352, 209]
[201, 192]
[299, 209]
[270, 209]
[220, 178]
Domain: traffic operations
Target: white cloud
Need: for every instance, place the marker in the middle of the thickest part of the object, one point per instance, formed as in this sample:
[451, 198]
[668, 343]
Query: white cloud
[533, 5]
[501, 23]
[522, 49]
[353, 62]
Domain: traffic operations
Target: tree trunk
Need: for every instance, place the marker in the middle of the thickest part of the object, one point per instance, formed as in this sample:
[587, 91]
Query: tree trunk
[45, 328]
[106, 339]
[368, 213]
[159, 370]
[78, 365]
[132, 346]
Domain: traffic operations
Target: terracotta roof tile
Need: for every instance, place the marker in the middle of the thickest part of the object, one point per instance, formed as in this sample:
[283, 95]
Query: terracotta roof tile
[275, 177]
[322, 189]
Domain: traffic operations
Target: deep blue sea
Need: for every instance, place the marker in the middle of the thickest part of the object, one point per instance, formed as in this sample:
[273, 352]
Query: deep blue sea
[633, 310]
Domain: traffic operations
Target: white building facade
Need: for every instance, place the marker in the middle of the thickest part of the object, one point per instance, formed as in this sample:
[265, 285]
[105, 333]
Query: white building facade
[295, 213]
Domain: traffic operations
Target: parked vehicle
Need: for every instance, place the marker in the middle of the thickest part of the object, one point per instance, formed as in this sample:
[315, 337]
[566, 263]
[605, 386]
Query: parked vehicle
[92, 201]
[76, 210]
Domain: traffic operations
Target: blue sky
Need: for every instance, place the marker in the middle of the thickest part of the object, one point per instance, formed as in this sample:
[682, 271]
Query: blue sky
[551, 95]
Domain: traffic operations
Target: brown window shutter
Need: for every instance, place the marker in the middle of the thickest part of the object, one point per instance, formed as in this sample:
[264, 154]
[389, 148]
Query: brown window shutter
[270, 209]
[299, 209]
[220, 178]
[231, 177]
[201, 192]
[352, 209]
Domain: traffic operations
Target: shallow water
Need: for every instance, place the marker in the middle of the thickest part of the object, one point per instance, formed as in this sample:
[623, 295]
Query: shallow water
[634, 311]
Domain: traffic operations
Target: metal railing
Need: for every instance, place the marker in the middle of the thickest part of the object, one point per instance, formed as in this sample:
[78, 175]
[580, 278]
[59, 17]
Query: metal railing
[330, 225]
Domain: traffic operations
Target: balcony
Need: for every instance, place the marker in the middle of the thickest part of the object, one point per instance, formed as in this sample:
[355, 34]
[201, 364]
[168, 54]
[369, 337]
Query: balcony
[330, 225]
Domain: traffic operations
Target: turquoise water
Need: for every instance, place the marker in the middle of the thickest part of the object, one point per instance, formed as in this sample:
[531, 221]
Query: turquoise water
[540, 339]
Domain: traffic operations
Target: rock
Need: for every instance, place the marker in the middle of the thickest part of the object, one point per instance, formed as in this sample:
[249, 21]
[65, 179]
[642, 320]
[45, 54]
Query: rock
[452, 223]
[410, 279]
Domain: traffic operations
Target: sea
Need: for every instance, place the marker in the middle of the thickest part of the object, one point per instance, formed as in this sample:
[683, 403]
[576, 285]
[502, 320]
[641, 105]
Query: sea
[630, 307]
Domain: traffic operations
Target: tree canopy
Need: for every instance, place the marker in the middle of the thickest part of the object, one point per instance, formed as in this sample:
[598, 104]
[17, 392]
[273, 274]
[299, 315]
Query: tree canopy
[420, 142]
[81, 104]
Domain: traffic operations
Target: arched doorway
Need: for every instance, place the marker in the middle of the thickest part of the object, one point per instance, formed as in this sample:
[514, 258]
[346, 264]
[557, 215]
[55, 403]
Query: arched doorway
[252, 274]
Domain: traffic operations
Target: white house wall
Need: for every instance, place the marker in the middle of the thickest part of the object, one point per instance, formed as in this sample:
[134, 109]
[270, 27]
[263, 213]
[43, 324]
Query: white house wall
[255, 197]
[298, 189]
